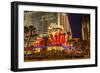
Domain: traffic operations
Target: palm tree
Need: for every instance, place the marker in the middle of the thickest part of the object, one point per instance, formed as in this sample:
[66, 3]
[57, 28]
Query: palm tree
[32, 29]
[26, 36]
[32, 36]
[26, 30]
[45, 37]
[68, 35]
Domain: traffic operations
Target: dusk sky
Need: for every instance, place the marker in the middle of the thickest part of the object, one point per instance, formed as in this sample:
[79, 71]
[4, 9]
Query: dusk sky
[75, 21]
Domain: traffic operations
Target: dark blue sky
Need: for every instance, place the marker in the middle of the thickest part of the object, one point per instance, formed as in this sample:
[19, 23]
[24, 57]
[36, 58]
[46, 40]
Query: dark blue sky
[75, 21]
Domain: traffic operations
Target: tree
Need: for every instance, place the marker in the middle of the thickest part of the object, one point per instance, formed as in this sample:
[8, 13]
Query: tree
[26, 30]
[26, 36]
[45, 37]
[32, 29]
